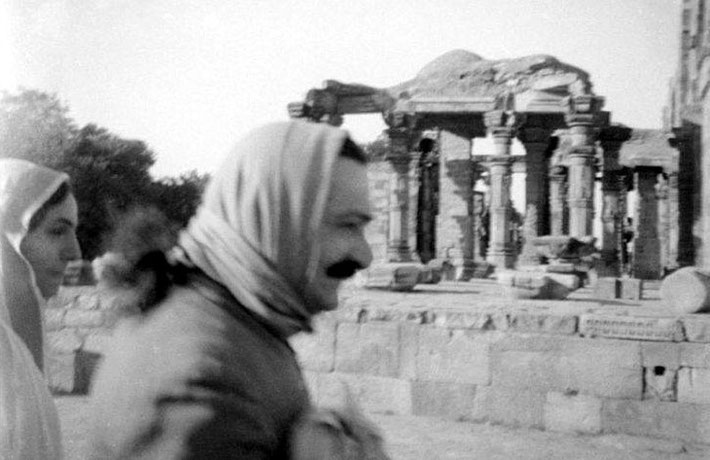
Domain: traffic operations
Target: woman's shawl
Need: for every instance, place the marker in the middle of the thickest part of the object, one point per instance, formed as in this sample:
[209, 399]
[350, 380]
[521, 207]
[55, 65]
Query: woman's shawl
[255, 231]
[29, 425]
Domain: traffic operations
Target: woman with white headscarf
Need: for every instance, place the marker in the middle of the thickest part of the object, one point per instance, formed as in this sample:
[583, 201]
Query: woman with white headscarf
[208, 371]
[38, 217]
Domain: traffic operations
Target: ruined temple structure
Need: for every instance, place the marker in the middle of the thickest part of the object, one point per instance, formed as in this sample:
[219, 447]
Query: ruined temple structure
[583, 174]
[688, 117]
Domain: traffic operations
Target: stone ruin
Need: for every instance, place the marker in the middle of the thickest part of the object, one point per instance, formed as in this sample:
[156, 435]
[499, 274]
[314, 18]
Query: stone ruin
[431, 215]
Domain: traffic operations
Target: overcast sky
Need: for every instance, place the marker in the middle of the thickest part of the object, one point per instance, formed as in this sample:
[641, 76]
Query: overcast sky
[190, 77]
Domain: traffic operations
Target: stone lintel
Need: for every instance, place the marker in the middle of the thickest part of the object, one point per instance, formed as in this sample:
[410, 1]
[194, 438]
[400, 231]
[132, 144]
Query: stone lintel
[453, 105]
[636, 328]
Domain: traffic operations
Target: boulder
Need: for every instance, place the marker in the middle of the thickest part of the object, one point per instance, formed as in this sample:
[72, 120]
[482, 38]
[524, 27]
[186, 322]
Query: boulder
[391, 276]
[687, 291]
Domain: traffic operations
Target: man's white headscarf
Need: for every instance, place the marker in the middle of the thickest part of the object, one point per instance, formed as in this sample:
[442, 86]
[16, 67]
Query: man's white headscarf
[256, 229]
[29, 426]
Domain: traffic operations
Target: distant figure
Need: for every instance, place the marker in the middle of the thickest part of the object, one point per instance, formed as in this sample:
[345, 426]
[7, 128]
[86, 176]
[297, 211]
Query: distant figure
[207, 371]
[38, 218]
[627, 236]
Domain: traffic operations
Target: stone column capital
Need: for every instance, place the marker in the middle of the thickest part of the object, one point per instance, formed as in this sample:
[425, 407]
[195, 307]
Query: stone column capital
[503, 123]
[583, 109]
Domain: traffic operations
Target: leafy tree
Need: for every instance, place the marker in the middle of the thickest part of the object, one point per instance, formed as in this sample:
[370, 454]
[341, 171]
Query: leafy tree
[179, 197]
[35, 126]
[110, 175]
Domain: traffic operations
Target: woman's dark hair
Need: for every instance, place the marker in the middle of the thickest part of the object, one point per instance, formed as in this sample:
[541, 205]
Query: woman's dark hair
[57, 197]
[352, 151]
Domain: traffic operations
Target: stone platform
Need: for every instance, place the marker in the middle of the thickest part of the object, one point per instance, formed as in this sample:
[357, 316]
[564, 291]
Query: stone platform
[465, 351]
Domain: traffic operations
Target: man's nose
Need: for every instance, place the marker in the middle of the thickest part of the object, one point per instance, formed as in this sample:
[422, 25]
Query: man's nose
[363, 252]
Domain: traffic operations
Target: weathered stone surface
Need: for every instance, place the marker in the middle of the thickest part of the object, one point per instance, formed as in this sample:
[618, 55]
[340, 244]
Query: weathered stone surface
[660, 383]
[482, 320]
[316, 351]
[631, 288]
[455, 356]
[64, 341]
[660, 354]
[83, 318]
[60, 372]
[695, 355]
[396, 314]
[573, 413]
[675, 420]
[568, 280]
[510, 406]
[687, 290]
[697, 328]
[543, 323]
[443, 399]
[391, 276]
[531, 285]
[374, 394]
[637, 328]
[694, 385]
[408, 347]
[607, 288]
[369, 348]
[596, 367]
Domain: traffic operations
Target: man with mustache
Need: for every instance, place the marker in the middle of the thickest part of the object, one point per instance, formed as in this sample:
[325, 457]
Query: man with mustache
[207, 371]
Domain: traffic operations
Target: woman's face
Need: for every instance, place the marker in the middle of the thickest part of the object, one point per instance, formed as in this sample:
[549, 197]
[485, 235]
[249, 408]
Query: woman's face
[51, 245]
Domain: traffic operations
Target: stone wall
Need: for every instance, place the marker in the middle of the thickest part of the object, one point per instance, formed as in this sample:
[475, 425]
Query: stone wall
[571, 366]
[527, 367]
[376, 232]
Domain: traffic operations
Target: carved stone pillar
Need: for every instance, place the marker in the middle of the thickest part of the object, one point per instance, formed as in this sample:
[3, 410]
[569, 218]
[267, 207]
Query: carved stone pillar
[501, 250]
[398, 244]
[581, 119]
[673, 217]
[611, 224]
[502, 126]
[426, 226]
[536, 141]
[454, 239]
[647, 260]
[663, 222]
[558, 198]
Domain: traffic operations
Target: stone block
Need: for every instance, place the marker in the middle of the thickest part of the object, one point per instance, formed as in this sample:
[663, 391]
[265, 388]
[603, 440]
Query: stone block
[63, 341]
[675, 420]
[624, 327]
[430, 274]
[660, 354]
[368, 348]
[509, 406]
[601, 368]
[391, 276]
[694, 385]
[631, 288]
[443, 399]
[686, 290]
[395, 314]
[697, 328]
[543, 323]
[607, 288]
[408, 346]
[660, 383]
[568, 280]
[60, 372]
[480, 320]
[316, 351]
[695, 355]
[455, 356]
[531, 285]
[83, 318]
[573, 413]
[372, 393]
[560, 267]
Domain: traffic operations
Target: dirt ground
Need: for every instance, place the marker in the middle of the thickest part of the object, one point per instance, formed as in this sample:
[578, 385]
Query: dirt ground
[428, 438]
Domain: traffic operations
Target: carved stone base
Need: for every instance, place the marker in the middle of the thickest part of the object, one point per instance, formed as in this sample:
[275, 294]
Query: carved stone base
[501, 259]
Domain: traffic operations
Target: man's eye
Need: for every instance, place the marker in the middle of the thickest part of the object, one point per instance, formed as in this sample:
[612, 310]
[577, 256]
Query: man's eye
[58, 231]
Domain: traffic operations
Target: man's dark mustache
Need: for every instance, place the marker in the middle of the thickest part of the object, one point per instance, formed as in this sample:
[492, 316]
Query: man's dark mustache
[343, 269]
